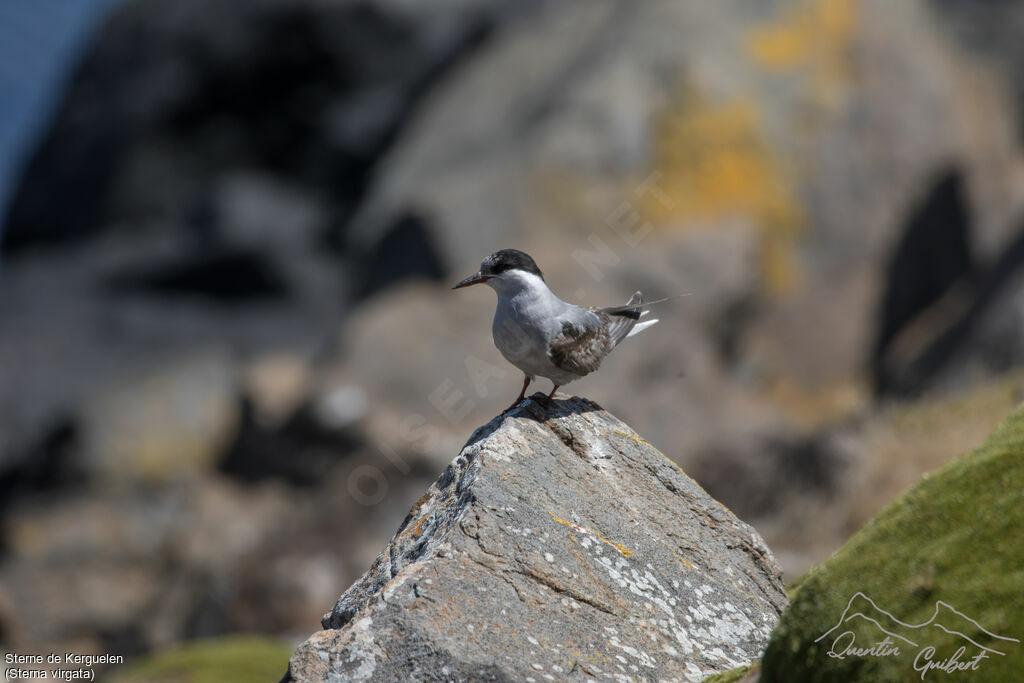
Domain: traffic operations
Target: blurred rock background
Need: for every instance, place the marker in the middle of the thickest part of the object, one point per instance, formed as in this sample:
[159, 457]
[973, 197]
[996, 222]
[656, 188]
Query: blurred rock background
[229, 357]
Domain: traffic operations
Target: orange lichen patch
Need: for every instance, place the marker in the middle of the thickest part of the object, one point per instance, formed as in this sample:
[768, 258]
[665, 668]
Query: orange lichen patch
[622, 550]
[713, 163]
[813, 39]
[420, 503]
[417, 529]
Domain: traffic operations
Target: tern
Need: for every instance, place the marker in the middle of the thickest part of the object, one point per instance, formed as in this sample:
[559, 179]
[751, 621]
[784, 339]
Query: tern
[542, 335]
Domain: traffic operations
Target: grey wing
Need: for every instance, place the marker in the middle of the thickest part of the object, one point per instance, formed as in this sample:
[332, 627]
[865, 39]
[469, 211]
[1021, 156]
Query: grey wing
[582, 343]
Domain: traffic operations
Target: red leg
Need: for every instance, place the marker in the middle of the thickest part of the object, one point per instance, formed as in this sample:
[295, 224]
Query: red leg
[522, 394]
[552, 394]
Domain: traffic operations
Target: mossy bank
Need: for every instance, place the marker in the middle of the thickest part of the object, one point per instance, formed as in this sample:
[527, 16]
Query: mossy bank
[941, 568]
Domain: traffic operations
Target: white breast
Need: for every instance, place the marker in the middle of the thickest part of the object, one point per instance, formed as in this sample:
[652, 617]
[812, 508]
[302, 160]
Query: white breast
[525, 321]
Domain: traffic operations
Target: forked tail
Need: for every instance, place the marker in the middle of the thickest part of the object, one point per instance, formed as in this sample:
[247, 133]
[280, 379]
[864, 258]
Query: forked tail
[623, 320]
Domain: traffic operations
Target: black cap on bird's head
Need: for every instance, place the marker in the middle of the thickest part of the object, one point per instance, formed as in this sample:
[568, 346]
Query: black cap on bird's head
[500, 262]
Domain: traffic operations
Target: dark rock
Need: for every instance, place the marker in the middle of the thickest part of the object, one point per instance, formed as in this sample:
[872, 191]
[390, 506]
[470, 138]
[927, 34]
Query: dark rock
[50, 465]
[558, 543]
[226, 277]
[301, 451]
[171, 97]
[405, 251]
[201, 159]
[933, 255]
[531, 132]
[974, 329]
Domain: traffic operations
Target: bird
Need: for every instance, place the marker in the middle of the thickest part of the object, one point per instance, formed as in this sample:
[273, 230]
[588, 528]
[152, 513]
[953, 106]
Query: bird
[542, 335]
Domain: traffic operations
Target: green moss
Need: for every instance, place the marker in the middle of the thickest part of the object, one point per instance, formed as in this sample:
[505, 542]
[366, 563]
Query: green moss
[240, 659]
[733, 675]
[956, 536]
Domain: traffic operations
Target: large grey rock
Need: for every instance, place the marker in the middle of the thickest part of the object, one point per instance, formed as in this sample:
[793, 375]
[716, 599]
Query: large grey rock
[558, 544]
[837, 118]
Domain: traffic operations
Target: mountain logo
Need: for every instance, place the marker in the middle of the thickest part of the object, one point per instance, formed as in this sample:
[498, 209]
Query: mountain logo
[899, 637]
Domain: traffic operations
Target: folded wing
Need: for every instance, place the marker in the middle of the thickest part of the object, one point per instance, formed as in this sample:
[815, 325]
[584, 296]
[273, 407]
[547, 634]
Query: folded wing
[581, 345]
[585, 339]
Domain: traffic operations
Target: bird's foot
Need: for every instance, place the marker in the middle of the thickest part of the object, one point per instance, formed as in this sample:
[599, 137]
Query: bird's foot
[522, 396]
[515, 404]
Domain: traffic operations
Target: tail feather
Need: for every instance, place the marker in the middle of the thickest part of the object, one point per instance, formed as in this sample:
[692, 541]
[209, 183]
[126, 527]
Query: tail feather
[642, 326]
[622, 321]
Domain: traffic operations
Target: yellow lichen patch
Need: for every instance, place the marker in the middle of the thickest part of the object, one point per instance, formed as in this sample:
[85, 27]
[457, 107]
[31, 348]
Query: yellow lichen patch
[812, 39]
[622, 550]
[713, 163]
[562, 521]
[674, 464]
[599, 659]
[648, 443]
[635, 438]
[685, 563]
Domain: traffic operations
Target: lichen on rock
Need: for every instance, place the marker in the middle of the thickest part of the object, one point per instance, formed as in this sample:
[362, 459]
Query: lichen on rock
[557, 544]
